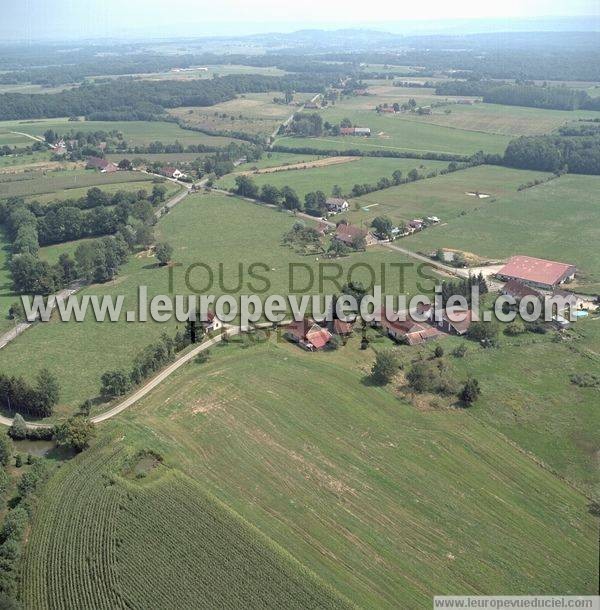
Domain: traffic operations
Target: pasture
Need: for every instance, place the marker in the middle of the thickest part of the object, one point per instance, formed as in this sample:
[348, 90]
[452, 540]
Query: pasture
[134, 132]
[444, 196]
[394, 133]
[355, 170]
[558, 220]
[504, 120]
[58, 184]
[122, 528]
[228, 235]
[354, 482]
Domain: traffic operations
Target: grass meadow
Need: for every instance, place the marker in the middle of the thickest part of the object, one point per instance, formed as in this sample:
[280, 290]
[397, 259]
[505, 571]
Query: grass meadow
[443, 196]
[355, 482]
[557, 220]
[223, 232]
[134, 132]
[346, 175]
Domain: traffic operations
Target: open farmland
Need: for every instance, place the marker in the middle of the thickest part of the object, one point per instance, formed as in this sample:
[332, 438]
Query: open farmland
[253, 113]
[444, 196]
[134, 132]
[213, 229]
[121, 530]
[504, 120]
[557, 220]
[397, 134]
[57, 184]
[346, 175]
[235, 425]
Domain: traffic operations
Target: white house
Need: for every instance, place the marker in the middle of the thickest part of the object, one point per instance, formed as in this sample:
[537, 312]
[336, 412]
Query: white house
[336, 205]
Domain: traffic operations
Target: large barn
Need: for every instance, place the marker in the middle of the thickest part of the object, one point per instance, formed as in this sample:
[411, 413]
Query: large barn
[537, 271]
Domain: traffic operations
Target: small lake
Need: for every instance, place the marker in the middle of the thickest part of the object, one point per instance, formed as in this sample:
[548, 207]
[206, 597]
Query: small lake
[39, 448]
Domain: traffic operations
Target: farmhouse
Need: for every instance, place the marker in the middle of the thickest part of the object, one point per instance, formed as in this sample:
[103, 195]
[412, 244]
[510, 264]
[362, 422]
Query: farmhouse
[537, 272]
[350, 234]
[212, 322]
[518, 290]
[105, 167]
[336, 205]
[342, 328]
[308, 334]
[455, 320]
[172, 172]
[407, 331]
[310, 106]
[416, 224]
[386, 110]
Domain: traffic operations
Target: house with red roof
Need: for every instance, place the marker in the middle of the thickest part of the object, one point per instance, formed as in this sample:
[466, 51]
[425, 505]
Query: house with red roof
[406, 330]
[537, 272]
[104, 166]
[455, 320]
[351, 234]
[308, 334]
[518, 290]
[212, 322]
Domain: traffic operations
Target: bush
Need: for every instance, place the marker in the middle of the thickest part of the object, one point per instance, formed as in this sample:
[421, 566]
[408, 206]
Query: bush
[586, 380]
[439, 351]
[203, 357]
[431, 377]
[18, 429]
[76, 433]
[470, 392]
[384, 367]
[6, 449]
[514, 328]
[460, 351]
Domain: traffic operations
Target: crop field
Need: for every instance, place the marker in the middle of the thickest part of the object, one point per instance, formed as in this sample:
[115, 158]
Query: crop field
[445, 196]
[505, 120]
[120, 529]
[11, 164]
[352, 480]
[346, 175]
[276, 159]
[56, 184]
[162, 157]
[395, 133]
[253, 113]
[558, 220]
[212, 229]
[134, 132]
[386, 94]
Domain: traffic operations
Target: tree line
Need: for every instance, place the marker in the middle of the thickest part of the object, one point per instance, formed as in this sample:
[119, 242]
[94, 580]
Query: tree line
[129, 99]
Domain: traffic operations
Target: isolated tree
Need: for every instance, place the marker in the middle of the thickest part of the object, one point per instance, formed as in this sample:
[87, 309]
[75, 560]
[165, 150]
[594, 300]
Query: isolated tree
[383, 226]
[18, 460]
[125, 164]
[336, 191]
[76, 433]
[18, 429]
[6, 449]
[470, 392]
[114, 383]
[384, 367]
[439, 351]
[163, 252]
[16, 311]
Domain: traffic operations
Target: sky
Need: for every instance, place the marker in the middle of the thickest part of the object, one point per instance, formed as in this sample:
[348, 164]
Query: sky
[35, 19]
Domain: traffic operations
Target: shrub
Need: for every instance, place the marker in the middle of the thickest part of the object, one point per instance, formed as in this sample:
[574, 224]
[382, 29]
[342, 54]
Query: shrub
[470, 392]
[18, 429]
[514, 328]
[460, 351]
[439, 351]
[384, 367]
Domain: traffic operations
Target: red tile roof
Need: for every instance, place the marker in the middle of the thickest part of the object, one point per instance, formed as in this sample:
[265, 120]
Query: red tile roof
[341, 327]
[518, 290]
[537, 270]
[348, 233]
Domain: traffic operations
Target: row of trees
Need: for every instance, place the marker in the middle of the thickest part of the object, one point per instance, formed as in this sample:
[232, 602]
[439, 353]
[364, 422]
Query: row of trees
[37, 400]
[576, 154]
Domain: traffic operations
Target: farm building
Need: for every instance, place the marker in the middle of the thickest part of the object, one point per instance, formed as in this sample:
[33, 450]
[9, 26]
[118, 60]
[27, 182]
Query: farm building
[355, 131]
[310, 106]
[336, 204]
[308, 334]
[172, 172]
[212, 322]
[106, 167]
[455, 320]
[407, 331]
[537, 271]
[518, 290]
[349, 234]
[342, 328]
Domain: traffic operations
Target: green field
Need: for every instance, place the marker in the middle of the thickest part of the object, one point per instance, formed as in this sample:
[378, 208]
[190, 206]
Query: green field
[346, 175]
[8, 162]
[444, 196]
[397, 134]
[56, 184]
[558, 220]
[121, 530]
[134, 132]
[212, 229]
[274, 159]
[387, 503]
[505, 120]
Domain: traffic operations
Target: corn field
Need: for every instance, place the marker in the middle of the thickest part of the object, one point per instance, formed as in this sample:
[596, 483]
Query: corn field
[100, 541]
